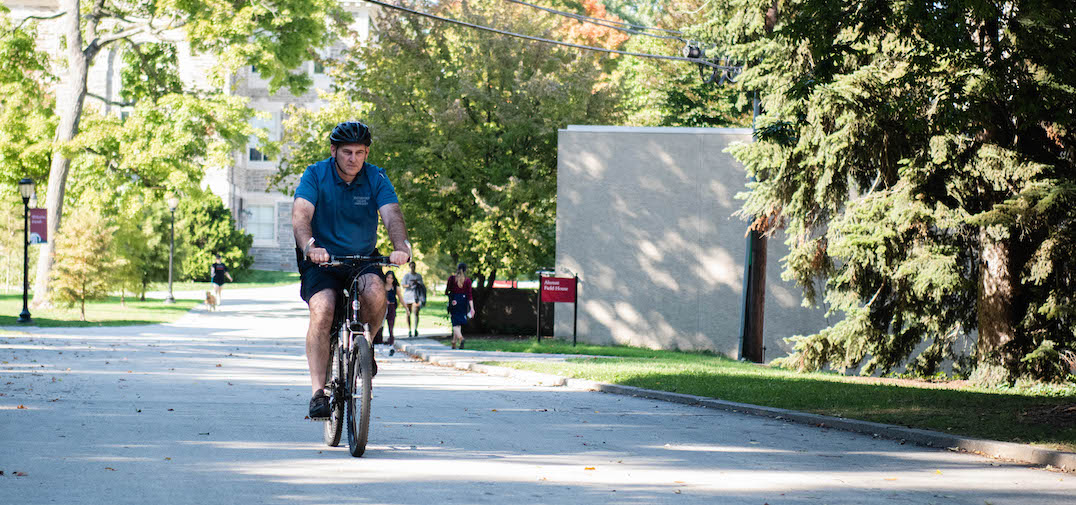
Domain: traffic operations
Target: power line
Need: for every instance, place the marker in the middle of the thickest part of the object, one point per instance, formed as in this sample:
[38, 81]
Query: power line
[608, 23]
[700, 61]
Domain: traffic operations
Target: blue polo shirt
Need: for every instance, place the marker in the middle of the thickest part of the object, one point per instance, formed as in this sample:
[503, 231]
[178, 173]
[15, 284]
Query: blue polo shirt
[345, 215]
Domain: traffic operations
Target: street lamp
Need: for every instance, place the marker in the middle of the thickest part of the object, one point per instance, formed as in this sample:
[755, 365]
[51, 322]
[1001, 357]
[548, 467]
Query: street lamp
[26, 189]
[173, 202]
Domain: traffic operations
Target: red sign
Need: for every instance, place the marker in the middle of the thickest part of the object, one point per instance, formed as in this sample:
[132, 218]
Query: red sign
[504, 284]
[558, 289]
[38, 226]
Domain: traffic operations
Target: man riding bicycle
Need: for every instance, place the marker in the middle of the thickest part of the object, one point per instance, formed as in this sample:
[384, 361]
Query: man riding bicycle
[335, 212]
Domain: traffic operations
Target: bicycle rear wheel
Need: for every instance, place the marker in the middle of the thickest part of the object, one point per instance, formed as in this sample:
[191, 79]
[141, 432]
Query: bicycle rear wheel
[360, 386]
[334, 427]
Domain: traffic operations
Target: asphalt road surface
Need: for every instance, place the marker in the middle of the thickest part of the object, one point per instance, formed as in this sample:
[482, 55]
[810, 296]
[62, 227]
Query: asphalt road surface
[210, 410]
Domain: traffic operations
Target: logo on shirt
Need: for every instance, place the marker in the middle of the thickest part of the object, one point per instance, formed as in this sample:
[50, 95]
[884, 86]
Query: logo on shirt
[361, 201]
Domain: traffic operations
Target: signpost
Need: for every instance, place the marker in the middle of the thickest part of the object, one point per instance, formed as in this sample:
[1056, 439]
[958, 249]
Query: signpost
[38, 229]
[558, 290]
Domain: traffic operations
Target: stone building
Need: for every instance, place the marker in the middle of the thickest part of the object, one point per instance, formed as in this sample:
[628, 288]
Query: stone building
[266, 215]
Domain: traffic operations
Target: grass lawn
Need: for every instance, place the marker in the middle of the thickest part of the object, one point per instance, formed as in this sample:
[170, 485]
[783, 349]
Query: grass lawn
[250, 279]
[1045, 418]
[433, 315]
[109, 312]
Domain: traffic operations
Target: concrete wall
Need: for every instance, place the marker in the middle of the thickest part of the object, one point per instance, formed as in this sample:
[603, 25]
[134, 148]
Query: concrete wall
[645, 217]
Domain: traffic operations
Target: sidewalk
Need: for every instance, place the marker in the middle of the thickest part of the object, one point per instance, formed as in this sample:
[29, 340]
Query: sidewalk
[438, 354]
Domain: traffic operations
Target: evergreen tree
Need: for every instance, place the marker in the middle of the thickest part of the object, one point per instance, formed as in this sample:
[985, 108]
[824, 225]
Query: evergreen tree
[204, 228]
[85, 262]
[920, 156]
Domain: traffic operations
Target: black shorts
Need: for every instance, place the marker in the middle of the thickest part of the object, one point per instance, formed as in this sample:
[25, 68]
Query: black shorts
[314, 278]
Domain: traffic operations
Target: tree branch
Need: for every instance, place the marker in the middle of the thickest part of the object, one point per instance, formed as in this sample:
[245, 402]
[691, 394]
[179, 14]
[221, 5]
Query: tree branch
[110, 102]
[27, 18]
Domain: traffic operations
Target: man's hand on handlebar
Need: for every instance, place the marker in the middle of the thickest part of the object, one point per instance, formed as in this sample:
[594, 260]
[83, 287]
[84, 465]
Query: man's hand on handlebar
[400, 257]
[318, 255]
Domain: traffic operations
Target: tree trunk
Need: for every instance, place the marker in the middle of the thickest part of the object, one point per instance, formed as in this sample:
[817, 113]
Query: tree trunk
[69, 101]
[997, 290]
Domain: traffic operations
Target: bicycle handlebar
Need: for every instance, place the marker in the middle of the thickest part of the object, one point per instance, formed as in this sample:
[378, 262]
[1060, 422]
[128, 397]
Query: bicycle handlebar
[355, 260]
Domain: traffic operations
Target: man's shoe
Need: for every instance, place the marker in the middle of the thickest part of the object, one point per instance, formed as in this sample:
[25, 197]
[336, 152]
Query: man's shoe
[374, 361]
[319, 407]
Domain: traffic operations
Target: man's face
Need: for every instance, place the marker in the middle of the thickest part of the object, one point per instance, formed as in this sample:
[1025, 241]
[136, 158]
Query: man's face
[350, 157]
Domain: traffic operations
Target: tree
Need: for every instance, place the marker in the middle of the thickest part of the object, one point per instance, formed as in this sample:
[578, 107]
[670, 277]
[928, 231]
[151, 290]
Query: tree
[920, 157]
[674, 93]
[274, 36]
[85, 264]
[142, 240]
[27, 121]
[204, 228]
[465, 122]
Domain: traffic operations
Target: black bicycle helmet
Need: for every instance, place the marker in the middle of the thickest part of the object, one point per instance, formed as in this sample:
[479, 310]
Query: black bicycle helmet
[350, 132]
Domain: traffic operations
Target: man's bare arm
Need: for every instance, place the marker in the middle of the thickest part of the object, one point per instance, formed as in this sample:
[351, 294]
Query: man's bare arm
[302, 212]
[394, 224]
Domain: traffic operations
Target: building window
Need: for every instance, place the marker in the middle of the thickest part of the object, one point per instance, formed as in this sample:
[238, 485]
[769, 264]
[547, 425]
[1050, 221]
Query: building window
[256, 155]
[260, 222]
[319, 67]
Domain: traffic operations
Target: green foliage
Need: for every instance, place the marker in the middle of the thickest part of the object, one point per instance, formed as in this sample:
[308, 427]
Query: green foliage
[11, 238]
[27, 122]
[675, 93]
[465, 122]
[142, 239]
[85, 262]
[150, 71]
[165, 144]
[902, 143]
[306, 137]
[204, 228]
[274, 36]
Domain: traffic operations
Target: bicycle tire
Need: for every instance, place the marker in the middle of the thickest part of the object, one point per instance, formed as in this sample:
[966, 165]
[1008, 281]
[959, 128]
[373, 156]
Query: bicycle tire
[334, 427]
[360, 385]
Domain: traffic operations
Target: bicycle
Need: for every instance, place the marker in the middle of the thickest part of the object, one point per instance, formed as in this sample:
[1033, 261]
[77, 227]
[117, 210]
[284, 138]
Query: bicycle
[351, 362]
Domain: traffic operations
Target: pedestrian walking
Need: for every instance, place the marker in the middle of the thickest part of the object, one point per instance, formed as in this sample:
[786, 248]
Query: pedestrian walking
[414, 296]
[217, 273]
[460, 303]
[392, 295]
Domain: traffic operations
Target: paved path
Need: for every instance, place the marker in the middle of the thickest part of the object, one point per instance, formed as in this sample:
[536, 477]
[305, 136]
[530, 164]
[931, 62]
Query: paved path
[209, 410]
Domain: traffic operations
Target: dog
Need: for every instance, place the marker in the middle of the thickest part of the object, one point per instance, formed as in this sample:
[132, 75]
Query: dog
[210, 301]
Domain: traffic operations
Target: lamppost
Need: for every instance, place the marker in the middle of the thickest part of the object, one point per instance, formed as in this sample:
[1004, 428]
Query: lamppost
[173, 202]
[26, 189]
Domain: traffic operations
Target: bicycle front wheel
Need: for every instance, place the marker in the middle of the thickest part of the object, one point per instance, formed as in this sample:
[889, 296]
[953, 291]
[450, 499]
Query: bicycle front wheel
[334, 427]
[360, 385]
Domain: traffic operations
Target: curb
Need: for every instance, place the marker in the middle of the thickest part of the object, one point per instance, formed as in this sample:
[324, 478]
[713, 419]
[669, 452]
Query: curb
[1009, 451]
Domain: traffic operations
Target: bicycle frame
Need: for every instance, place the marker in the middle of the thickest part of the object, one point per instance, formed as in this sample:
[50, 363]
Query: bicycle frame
[353, 357]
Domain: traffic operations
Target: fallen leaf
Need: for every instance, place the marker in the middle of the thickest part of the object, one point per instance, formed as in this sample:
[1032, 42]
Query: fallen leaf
[21, 407]
[588, 468]
[678, 481]
[168, 459]
[493, 410]
[937, 472]
[219, 365]
[109, 468]
[890, 478]
[677, 491]
[20, 474]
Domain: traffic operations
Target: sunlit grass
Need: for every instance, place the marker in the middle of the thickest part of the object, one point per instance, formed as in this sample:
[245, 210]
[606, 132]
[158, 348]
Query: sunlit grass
[108, 312]
[1009, 415]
